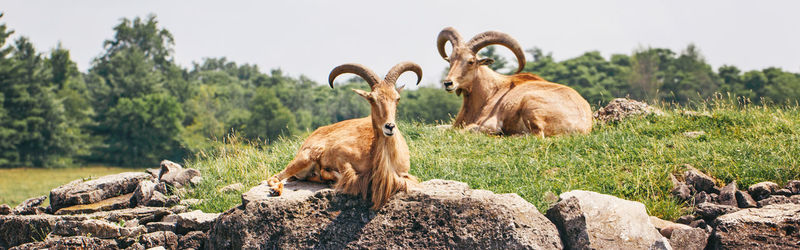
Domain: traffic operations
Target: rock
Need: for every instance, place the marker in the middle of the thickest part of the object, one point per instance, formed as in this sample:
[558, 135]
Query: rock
[699, 223]
[178, 209]
[93, 227]
[689, 239]
[660, 244]
[157, 200]
[770, 227]
[694, 134]
[666, 227]
[132, 231]
[19, 229]
[142, 214]
[166, 239]
[119, 202]
[29, 206]
[699, 180]
[598, 221]
[75, 242]
[702, 197]
[91, 191]
[160, 226]
[192, 240]
[727, 196]
[686, 219]
[744, 200]
[192, 221]
[297, 188]
[175, 175]
[762, 190]
[680, 189]
[143, 193]
[190, 202]
[135, 246]
[162, 187]
[173, 200]
[621, 108]
[783, 191]
[710, 211]
[437, 214]
[155, 172]
[196, 180]
[236, 187]
[793, 186]
[779, 199]
[5, 209]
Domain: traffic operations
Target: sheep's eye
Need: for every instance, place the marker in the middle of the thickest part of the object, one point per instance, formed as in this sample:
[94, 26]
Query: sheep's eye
[471, 62]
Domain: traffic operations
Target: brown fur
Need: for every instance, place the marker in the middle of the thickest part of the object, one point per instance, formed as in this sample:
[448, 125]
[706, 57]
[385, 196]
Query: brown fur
[518, 104]
[356, 155]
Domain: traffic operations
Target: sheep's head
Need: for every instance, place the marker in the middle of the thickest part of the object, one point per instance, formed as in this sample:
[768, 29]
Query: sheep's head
[384, 96]
[464, 61]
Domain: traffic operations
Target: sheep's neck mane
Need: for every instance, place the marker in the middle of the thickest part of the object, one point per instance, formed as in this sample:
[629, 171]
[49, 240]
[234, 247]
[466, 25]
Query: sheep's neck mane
[384, 148]
[484, 86]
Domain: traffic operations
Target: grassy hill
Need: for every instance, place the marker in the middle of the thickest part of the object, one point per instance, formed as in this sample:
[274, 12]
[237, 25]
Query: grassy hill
[631, 159]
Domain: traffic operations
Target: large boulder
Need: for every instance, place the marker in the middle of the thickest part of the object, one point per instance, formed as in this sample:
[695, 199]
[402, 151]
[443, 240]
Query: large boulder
[770, 227]
[91, 191]
[175, 175]
[589, 220]
[113, 203]
[438, 214]
[18, 229]
[76, 242]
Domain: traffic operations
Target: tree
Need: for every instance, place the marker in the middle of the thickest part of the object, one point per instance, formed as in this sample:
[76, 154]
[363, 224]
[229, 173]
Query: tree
[269, 119]
[145, 130]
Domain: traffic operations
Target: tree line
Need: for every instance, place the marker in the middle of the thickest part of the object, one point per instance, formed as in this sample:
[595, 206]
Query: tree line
[135, 106]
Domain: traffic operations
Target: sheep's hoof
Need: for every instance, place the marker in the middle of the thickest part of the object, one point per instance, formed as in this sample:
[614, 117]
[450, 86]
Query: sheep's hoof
[276, 190]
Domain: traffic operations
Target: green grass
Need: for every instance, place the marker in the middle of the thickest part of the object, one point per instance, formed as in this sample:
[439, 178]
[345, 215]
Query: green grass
[631, 159]
[19, 184]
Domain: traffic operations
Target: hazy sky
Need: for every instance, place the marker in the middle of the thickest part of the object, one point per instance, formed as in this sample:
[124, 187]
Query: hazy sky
[312, 37]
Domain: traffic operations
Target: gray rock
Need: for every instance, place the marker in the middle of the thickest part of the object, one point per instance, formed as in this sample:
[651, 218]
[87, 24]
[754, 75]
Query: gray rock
[95, 228]
[166, 239]
[783, 191]
[141, 214]
[592, 220]
[744, 200]
[770, 227]
[119, 202]
[178, 209]
[778, 199]
[132, 231]
[143, 193]
[699, 223]
[680, 189]
[689, 239]
[710, 211]
[660, 244]
[193, 240]
[160, 226]
[236, 187]
[702, 197]
[173, 200]
[75, 242]
[157, 199]
[727, 196]
[794, 186]
[437, 214]
[91, 191]
[699, 180]
[18, 229]
[5, 209]
[666, 227]
[686, 219]
[175, 175]
[621, 108]
[192, 221]
[762, 190]
[28, 206]
[155, 172]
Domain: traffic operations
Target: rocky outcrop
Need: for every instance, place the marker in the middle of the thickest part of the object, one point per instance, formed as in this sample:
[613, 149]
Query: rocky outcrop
[29, 206]
[589, 220]
[19, 229]
[85, 192]
[76, 242]
[174, 174]
[438, 214]
[770, 227]
[621, 108]
[119, 202]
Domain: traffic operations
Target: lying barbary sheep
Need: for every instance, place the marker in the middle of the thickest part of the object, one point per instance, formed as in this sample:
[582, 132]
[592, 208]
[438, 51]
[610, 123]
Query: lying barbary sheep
[499, 104]
[366, 156]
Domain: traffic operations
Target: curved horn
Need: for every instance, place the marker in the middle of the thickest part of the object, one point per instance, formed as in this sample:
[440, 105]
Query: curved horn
[493, 37]
[447, 34]
[401, 68]
[357, 69]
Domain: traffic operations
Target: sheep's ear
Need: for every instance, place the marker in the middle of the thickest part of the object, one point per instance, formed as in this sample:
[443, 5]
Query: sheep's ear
[364, 94]
[486, 61]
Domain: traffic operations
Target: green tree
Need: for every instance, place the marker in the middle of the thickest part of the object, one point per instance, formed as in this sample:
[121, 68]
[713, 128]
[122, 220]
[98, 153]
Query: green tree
[269, 119]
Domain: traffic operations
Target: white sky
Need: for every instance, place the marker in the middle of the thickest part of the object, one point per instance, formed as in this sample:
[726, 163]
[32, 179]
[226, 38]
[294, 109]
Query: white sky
[312, 37]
